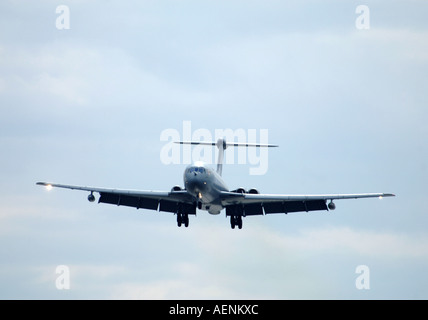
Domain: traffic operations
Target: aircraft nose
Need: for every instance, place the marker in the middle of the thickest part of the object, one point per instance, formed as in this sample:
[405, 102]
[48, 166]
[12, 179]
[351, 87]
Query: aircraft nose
[193, 183]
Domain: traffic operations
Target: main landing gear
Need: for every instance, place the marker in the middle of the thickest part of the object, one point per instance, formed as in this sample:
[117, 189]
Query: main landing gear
[236, 221]
[182, 218]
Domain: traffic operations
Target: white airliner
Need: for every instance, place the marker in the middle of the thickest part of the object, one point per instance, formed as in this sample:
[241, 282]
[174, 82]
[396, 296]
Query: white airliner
[204, 189]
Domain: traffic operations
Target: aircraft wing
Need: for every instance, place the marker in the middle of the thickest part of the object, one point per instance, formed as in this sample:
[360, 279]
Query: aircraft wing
[259, 204]
[168, 201]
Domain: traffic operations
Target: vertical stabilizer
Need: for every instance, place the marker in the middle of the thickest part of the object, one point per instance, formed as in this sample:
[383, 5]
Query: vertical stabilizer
[221, 145]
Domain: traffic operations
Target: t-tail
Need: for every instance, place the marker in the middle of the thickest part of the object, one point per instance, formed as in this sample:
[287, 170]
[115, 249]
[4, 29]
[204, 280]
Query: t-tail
[222, 145]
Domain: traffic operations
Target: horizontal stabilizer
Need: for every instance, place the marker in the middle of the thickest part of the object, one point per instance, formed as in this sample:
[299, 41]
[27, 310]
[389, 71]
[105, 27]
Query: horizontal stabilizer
[222, 144]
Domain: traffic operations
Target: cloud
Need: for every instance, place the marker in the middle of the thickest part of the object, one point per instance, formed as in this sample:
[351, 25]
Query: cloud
[381, 245]
[266, 264]
[76, 105]
[117, 253]
[186, 289]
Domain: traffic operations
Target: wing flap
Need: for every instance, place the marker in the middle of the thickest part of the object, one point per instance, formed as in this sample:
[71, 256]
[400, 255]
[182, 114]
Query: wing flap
[261, 208]
[294, 206]
[253, 209]
[129, 201]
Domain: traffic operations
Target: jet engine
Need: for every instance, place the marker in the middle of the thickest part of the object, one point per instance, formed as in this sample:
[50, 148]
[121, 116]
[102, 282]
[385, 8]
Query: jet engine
[253, 191]
[176, 188]
[239, 190]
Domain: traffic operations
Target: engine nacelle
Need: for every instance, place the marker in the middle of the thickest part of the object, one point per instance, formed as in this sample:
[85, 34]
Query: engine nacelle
[91, 198]
[239, 190]
[331, 205]
[253, 191]
[176, 188]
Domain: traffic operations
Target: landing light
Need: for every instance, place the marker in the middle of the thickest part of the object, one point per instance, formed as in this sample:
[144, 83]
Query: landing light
[49, 187]
[380, 197]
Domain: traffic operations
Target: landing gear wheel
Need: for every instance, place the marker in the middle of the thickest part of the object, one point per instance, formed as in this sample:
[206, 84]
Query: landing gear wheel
[236, 221]
[179, 220]
[182, 218]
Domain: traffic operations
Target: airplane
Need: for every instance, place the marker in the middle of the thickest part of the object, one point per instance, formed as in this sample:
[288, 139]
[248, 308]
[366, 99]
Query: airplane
[205, 189]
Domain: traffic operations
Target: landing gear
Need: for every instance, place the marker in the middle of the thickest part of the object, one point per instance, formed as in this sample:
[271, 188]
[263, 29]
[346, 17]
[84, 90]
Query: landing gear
[182, 218]
[236, 221]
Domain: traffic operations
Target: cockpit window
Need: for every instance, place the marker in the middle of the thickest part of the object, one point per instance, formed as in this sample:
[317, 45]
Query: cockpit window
[196, 169]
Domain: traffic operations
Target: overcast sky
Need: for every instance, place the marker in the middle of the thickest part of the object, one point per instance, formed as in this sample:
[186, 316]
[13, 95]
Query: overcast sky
[87, 106]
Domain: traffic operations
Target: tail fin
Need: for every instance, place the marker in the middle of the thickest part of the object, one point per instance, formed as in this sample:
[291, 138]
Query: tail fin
[222, 145]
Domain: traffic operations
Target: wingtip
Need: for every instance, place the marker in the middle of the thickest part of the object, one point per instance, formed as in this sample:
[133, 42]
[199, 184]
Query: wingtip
[44, 184]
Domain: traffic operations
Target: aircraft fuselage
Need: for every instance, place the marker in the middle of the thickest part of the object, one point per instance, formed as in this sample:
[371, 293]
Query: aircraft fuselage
[205, 184]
